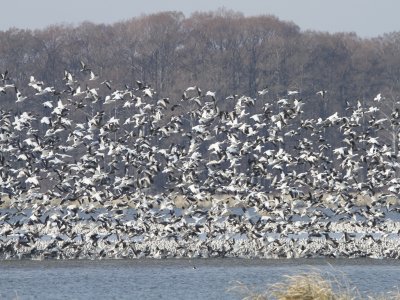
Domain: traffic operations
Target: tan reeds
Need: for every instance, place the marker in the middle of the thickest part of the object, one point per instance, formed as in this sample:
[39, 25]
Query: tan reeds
[310, 286]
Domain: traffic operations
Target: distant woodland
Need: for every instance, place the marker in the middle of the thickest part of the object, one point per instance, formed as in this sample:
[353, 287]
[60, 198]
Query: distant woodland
[222, 51]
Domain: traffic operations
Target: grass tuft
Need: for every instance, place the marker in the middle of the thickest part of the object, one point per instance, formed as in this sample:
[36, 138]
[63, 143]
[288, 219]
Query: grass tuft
[310, 286]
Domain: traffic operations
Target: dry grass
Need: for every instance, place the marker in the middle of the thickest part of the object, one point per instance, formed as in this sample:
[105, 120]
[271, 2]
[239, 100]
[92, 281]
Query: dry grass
[308, 286]
[311, 286]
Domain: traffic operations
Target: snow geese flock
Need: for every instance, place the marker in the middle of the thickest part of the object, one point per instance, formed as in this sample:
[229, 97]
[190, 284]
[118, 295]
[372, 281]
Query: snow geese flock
[92, 170]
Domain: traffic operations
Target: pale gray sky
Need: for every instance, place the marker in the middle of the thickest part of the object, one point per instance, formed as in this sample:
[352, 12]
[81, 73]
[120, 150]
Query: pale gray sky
[367, 18]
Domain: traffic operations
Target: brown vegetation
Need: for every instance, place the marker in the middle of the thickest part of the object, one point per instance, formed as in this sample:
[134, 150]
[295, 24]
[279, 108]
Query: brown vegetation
[241, 54]
[308, 286]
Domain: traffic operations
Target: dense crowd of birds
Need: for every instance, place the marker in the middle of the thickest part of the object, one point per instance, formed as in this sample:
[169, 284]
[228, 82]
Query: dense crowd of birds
[89, 170]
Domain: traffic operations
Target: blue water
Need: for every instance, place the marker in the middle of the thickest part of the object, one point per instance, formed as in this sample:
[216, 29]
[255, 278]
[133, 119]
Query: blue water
[178, 278]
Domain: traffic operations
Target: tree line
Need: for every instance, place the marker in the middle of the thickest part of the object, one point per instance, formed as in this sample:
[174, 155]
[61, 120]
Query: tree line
[222, 50]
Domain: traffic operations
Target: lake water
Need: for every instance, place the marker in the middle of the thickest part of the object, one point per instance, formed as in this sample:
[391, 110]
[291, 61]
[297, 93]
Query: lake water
[177, 278]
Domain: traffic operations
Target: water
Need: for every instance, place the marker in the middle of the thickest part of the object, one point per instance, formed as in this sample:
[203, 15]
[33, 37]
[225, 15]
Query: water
[176, 278]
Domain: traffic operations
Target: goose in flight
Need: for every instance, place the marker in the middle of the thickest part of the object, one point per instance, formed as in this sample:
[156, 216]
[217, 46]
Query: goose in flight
[211, 94]
[191, 88]
[37, 85]
[84, 67]
[322, 93]
[263, 91]
[3, 89]
[378, 97]
[107, 83]
[4, 76]
[69, 78]
[148, 92]
[163, 102]
[20, 98]
[141, 85]
[194, 88]
[93, 76]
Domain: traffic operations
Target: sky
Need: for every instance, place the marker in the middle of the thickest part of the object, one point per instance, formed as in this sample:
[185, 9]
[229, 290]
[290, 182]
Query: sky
[367, 18]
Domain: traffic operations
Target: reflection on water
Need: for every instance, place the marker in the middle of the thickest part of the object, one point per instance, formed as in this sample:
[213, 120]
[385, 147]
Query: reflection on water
[176, 278]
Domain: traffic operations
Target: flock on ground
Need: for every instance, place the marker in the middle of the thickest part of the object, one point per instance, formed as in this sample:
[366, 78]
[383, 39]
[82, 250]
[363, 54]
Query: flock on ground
[89, 170]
